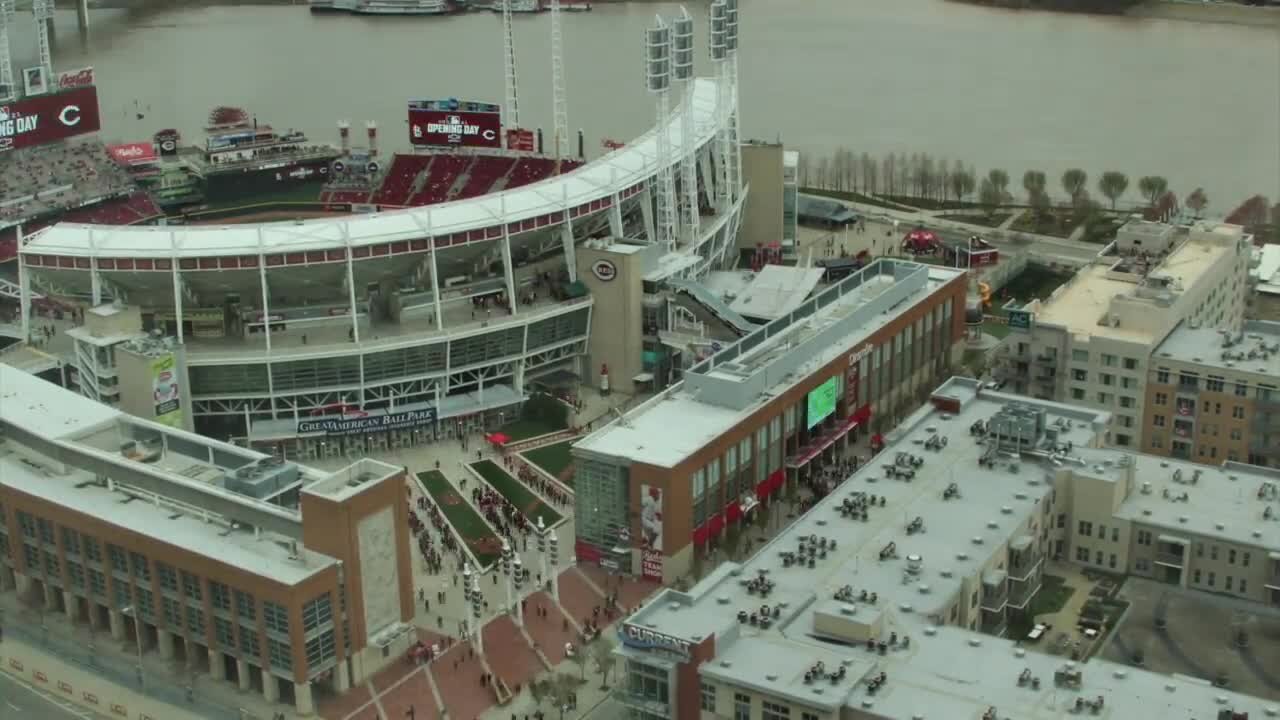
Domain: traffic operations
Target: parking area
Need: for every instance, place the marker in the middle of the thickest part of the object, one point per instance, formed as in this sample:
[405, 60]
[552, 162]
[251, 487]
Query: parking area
[1223, 640]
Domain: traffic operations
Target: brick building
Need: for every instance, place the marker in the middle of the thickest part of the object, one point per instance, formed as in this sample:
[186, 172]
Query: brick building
[258, 571]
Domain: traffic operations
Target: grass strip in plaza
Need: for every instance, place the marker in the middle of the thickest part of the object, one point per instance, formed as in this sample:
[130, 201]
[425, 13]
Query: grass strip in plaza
[471, 528]
[554, 460]
[516, 493]
[526, 428]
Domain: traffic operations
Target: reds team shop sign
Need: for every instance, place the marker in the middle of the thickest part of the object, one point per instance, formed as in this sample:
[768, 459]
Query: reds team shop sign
[455, 128]
[48, 118]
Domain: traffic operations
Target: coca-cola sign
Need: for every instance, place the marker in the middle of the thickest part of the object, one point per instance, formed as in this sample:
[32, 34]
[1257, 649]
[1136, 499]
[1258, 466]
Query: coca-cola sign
[132, 153]
[75, 78]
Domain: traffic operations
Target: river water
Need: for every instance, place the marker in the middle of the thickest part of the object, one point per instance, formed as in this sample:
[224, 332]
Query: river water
[1197, 103]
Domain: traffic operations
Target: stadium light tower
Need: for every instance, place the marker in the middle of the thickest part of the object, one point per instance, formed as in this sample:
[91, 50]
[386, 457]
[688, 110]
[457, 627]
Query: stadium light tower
[658, 80]
[733, 128]
[509, 66]
[43, 11]
[719, 55]
[682, 69]
[559, 106]
[7, 91]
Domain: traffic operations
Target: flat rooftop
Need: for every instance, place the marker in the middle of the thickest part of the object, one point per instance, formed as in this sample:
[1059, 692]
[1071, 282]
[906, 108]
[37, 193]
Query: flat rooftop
[945, 666]
[668, 428]
[776, 291]
[1081, 303]
[1255, 350]
[172, 486]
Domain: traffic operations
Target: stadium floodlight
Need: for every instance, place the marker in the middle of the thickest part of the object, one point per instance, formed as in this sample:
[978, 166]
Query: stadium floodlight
[658, 81]
[720, 56]
[7, 91]
[559, 105]
[43, 11]
[682, 69]
[509, 67]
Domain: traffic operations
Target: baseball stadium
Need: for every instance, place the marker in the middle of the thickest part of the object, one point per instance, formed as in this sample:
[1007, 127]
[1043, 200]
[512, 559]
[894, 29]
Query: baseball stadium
[435, 287]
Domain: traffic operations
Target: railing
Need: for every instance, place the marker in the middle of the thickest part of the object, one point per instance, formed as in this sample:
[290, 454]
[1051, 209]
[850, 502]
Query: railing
[995, 599]
[1022, 592]
[640, 702]
[1174, 559]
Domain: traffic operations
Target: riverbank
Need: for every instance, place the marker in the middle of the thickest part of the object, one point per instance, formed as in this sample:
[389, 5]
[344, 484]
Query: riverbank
[1091, 7]
[1215, 12]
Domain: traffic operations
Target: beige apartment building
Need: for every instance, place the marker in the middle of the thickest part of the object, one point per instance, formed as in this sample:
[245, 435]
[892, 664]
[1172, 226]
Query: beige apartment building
[1090, 342]
[1212, 396]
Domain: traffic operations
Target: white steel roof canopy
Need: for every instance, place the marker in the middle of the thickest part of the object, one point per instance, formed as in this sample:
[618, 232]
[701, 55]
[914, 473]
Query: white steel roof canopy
[617, 171]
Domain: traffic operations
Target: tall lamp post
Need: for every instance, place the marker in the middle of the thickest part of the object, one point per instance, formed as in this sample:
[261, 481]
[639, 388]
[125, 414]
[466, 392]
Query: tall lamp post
[128, 611]
[507, 567]
[477, 599]
[517, 578]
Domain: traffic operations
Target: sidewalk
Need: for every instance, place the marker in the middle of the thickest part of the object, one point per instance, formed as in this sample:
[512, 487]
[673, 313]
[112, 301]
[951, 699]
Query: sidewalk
[56, 678]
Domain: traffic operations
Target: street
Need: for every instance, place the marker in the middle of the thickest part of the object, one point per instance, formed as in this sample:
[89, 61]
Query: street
[18, 701]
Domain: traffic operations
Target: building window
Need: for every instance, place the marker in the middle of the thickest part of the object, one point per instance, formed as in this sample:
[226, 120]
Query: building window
[708, 697]
[1144, 537]
[1102, 532]
[1141, 565]
[245, 606]
[1111, 562]
[141, 569]
[195, 622]
[168, 577]
[1130, 363]
[278, 655]
[1214, 384]
[249, 643]
[97, 583]
[1080, 375]
[119, 561]
[1115, 534]
[219, 596]
[275, 618]
[1242, 390]
[1098, 558]
[1243, 585]
[320, 650]
[1157, 443]
[1107, 378]
[1229, 583]
[808, 716]
[1080, 356]
[1086, 528]
[1162, 376]
[774, 711]
[70, 541]
[92, 550]
[316, 613]
[1077, 393]
[1231, 556]
[1213, 552]
[223, 634]
[1162, 398]
[1212, 579]
[1195, 577]
[1108, 360]
[172, 613]
[191, 586]
[741, 707]
[1123, 440]
[46, 530]
[1082, 554]
[1237, 412]
[1127, 402]
[1244, 560]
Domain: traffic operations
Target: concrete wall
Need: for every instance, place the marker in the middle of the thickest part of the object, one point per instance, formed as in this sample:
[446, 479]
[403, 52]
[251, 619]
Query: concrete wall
[617, 308]
[762, 216]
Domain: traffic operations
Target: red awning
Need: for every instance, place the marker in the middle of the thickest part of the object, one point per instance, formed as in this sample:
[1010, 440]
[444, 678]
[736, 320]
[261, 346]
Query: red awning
[817, 447]
[498, 438]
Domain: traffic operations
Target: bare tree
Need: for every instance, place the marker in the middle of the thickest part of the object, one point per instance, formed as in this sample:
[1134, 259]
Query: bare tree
[962, 183]
[1074, 181]
[601, 650]
[869, 174]
[824, 172]
[1112, 184]
[990, 194]
[802, 170]
[890, 173]
[1153, 188]
[999, 180]
[1197, 201]
[1034, 182]
[926, 176]
[943, 179]
[904, 175]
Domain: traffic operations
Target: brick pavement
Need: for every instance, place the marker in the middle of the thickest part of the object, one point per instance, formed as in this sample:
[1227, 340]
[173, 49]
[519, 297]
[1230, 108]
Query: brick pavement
[577, 596]
[415, 692]
[509, 655]
[549, 632]
[457, 674]
[631, 592]
[344, 705]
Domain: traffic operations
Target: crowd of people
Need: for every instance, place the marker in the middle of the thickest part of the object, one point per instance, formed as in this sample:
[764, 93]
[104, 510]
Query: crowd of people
[39, 180]
[431, 556]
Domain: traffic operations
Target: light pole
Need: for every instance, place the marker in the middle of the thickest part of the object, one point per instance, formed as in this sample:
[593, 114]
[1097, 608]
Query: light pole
[517, 579]
[507, 564]
[553, 561]
[477, 599]
[542, 551]
[128, 611]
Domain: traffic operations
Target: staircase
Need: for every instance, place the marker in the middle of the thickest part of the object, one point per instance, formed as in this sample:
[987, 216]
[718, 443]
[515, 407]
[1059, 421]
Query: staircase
[714, 304]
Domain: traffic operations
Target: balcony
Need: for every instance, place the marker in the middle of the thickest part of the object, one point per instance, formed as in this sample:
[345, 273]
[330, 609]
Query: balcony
[995, 592]
[1021, 593]
[1171, 559]
[995, 623]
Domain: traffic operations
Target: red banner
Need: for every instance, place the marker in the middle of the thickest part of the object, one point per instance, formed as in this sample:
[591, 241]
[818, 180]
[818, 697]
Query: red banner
[455, 128]
[136, 153]
[48, 118]
[75, 79]
[520, 140]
